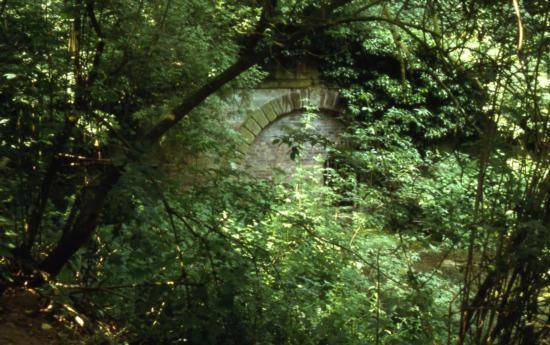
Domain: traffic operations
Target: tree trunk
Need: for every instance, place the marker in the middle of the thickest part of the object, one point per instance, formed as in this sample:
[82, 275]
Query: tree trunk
[84, 224]
[92, 198]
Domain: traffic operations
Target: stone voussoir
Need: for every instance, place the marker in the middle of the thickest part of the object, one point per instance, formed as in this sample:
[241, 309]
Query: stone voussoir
[243, 149]
[322, 98]
[296, 100]
[329, 99]
[276, 107]
[252, 125]
[308, 99]
[269, 111]
[247, 135]
[286, 104]
[260, 118]
[314, 97]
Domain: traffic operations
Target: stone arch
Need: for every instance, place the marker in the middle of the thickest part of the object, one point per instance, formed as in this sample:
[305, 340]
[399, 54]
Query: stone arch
[255, 121]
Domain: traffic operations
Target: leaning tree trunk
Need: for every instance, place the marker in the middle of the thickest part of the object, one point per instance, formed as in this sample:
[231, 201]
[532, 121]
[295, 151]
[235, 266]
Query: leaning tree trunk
[83, 223]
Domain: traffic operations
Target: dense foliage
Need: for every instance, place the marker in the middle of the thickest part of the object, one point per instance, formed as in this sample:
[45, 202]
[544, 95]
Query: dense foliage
[432, 221]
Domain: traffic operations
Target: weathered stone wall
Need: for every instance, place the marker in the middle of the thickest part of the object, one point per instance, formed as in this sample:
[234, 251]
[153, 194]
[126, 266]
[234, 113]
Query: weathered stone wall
[264, 157]
[265, 113]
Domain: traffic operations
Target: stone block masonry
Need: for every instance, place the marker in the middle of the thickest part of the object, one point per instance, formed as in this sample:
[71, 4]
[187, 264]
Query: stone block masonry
[286, 111]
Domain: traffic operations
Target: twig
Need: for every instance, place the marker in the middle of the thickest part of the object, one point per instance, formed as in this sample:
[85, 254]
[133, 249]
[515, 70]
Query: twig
[127, 286]
[520, 25]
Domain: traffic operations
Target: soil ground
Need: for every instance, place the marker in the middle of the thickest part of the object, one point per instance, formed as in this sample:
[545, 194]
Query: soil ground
[26, 320]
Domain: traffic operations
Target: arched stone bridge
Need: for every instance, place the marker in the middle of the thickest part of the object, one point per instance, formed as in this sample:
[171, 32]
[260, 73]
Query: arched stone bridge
[278, 109]
[296, 101]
